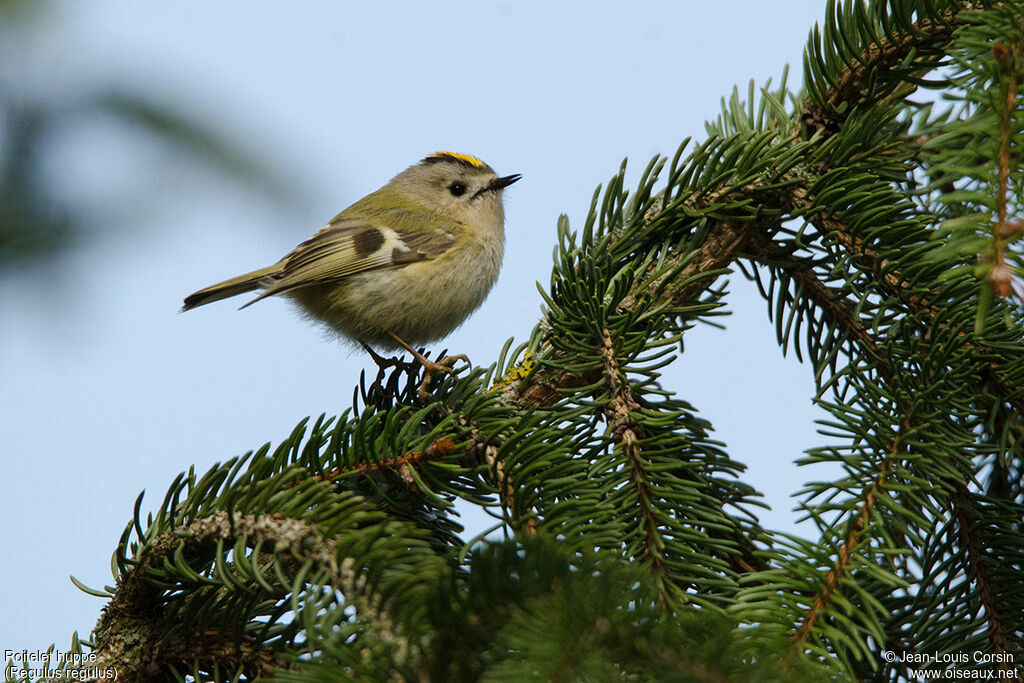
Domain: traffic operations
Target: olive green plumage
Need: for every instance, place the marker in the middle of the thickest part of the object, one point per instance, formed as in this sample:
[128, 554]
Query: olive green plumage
[411, 260]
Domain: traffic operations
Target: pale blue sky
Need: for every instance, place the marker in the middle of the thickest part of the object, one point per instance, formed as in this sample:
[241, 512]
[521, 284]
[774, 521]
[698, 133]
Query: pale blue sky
[105, 390]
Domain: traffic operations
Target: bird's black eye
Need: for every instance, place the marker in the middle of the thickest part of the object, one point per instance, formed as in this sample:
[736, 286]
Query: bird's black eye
[457, 189]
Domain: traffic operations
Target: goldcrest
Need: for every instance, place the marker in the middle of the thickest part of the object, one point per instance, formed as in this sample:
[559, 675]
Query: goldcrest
[404, 265]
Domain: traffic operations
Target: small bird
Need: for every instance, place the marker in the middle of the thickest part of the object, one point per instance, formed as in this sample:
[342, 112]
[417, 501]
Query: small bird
[402, 266]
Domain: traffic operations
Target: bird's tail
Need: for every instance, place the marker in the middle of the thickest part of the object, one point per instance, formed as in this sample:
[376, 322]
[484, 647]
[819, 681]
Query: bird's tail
[264, 277]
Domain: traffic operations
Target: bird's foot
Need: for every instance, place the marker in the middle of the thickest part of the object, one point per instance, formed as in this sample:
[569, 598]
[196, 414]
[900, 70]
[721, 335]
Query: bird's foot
[383, 365]
[445, 364]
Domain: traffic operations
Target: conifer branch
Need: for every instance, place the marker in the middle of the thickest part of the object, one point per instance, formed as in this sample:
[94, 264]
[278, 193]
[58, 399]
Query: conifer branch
[997, 632]
[626, 433]
[841, 567]
[507, 491]
[723, 245]
[399, 464]
[851, 86]
[131, 630]
[840, 315]
[1000, 277]
[838, 312]
[916, 302]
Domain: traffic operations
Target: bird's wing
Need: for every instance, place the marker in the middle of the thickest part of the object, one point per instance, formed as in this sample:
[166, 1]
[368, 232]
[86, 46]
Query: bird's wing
[354, 245]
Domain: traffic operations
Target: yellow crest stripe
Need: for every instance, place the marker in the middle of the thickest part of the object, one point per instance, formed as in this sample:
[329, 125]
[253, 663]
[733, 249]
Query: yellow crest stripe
[455, 156]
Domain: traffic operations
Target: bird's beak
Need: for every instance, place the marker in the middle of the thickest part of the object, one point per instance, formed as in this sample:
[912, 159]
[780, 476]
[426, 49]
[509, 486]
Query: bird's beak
[503, 182]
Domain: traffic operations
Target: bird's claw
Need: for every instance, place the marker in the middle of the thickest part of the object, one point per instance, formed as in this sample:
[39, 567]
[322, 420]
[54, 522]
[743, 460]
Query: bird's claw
[445, 365]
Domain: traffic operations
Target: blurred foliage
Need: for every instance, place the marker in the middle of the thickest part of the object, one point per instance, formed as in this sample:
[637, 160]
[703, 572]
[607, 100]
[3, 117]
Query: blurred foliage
[38, 218]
